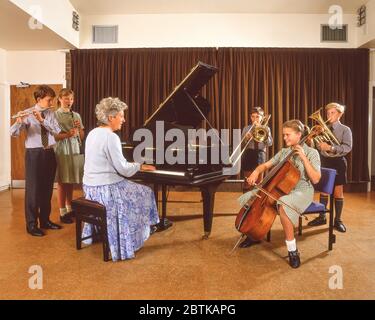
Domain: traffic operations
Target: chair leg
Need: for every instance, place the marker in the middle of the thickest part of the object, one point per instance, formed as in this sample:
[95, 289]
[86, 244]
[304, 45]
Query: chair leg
[269, 236]
[78, 232]
[300, 226]
[331, 236]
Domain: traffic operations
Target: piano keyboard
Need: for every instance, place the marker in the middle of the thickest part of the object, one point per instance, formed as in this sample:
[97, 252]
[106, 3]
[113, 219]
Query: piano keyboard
[165, 172]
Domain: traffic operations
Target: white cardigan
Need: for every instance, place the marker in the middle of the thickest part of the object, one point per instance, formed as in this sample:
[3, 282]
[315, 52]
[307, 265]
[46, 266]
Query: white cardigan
[104, 161]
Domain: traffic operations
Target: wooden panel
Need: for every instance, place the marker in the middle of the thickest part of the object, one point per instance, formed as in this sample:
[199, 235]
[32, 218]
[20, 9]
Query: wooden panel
[21, 99]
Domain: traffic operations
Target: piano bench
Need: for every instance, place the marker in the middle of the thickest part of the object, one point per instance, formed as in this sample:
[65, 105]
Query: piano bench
[94, 213]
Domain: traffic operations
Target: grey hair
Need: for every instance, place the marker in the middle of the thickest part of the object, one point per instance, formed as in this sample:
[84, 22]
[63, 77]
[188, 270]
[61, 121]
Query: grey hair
[109, 107]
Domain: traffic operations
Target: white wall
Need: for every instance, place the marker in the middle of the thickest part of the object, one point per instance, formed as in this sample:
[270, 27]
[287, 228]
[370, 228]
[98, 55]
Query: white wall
[216, 30]
[4, 127]
[366, 33]
[2, 66]
[56, 15]
[36, 67]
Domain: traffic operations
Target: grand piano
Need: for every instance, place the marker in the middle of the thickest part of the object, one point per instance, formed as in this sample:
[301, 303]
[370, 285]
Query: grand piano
[184, 109]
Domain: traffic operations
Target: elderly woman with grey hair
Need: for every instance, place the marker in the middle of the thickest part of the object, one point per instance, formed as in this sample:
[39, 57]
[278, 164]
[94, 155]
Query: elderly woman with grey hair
[131, 208]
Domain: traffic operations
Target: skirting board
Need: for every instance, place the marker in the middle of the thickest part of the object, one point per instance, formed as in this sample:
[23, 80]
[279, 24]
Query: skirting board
[4, 188]
[20, 184]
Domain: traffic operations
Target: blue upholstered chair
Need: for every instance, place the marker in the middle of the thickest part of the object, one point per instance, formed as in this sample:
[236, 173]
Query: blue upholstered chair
[325, 185]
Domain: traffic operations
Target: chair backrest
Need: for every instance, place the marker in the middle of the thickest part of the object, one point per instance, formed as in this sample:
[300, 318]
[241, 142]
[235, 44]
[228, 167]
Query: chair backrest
[327, 181]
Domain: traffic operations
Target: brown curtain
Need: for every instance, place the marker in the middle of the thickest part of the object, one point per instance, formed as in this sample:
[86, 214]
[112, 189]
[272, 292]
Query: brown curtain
[288, 83]
[142, 78]
[293, 83]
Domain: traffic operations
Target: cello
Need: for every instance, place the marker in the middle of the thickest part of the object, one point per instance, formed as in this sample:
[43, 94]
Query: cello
[257, 216]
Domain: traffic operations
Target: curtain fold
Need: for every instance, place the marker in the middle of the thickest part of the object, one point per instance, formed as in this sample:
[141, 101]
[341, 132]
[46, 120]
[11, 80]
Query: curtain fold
[288, 83]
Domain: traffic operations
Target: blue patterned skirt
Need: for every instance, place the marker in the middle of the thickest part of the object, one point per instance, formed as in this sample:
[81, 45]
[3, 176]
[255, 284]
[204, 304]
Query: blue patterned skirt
[131, 210]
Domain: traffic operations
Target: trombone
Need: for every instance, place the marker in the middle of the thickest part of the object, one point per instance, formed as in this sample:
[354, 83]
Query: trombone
[259, 133]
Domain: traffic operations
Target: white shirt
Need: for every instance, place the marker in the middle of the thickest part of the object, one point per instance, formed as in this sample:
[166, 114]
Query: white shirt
[33, 128]
[104, 161]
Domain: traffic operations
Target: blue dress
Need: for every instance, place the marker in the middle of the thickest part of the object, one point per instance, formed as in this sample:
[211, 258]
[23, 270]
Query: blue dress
[131, 210]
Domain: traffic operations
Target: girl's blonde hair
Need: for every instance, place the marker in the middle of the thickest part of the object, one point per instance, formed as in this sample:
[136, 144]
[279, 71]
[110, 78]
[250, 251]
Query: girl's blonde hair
[294, 124]
[64, 93]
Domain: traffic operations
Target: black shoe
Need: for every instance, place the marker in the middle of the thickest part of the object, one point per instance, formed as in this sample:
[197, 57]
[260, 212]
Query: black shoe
[294, 260]
[164, 224]
[36, 232]
[50, 225]
[248, 242]
[71, 214]
[339, 226]
[153, 229]
[66, 219]
[319, 221]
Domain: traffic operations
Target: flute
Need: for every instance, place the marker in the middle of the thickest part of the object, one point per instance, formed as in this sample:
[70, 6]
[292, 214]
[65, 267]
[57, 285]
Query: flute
[28, 112]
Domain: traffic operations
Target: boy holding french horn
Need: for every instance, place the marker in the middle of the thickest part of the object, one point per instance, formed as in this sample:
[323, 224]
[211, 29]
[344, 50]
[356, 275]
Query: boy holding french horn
[333, 156]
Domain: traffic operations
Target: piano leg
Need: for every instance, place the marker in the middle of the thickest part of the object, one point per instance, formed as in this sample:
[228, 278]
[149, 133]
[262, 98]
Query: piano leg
[208, 195]
[164, 222]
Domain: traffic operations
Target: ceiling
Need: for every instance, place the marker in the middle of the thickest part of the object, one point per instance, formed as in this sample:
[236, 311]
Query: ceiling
[16, 34]
[104, 7]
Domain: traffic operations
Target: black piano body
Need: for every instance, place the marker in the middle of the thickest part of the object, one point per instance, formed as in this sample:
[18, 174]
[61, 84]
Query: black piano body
[183, 109]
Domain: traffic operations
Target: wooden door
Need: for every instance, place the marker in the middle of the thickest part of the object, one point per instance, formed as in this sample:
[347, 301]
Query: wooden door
[21, 99]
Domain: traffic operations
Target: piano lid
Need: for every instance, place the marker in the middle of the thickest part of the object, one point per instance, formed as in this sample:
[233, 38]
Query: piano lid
[179, 108]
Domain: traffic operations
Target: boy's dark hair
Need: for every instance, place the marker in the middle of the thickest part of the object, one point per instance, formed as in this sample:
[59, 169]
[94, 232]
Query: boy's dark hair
[43, 91]
[257, 110]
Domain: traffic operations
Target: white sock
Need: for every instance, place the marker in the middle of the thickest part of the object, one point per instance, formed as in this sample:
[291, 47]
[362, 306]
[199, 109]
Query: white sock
[63, 212]
[291, 245]
[68, 208]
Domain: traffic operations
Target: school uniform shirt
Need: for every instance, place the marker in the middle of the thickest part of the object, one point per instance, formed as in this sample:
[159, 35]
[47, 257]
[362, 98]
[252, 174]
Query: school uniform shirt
[344, 137]
[260, 145]
[33, 128]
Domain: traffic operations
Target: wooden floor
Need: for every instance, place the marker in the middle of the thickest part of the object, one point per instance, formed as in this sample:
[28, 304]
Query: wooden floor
[177, 264]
